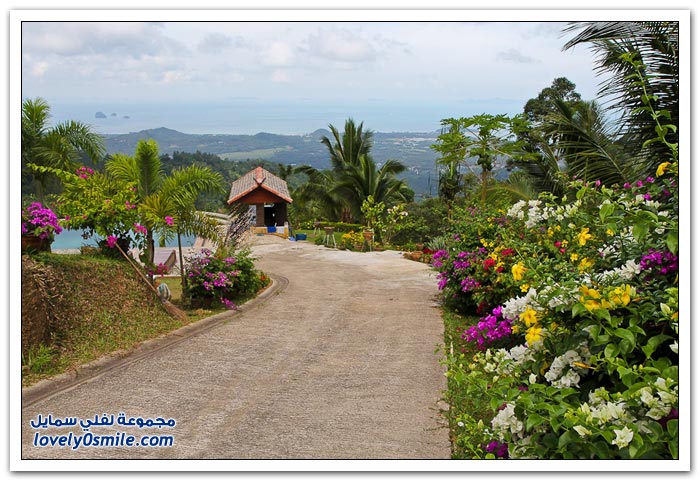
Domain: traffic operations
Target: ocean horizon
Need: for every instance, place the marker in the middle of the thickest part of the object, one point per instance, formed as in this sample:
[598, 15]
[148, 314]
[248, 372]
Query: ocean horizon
[249, 117]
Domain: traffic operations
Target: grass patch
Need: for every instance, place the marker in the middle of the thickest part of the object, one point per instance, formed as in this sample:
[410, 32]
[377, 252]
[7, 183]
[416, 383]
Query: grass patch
[97, 306]
[477, 407]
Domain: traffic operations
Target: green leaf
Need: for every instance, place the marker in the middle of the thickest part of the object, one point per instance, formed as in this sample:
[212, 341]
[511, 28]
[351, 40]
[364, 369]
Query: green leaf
[577, 309]
[605, 211]
[611, 351]
[672, 242]
[626, 335]
[567, 438]
[672, 427]
[602, 314]
[653, 343]
[640, 231]
[533, 420]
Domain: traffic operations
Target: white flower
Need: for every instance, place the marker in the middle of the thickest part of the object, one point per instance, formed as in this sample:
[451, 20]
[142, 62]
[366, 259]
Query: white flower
[623, 437]
[532, 379]
[519, 354]
[582, 431]
[674, 347]
[460, 424]
[506, 421]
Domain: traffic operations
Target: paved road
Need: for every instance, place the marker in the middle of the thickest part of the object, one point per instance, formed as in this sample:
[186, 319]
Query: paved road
[339, 364]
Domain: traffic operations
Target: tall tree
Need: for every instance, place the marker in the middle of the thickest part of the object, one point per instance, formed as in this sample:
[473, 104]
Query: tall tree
[486, 137]
[562, 89]
[56, 147]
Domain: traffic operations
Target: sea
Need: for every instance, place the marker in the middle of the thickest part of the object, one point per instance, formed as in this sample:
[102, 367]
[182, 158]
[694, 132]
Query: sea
[70, 239]
[252, 116]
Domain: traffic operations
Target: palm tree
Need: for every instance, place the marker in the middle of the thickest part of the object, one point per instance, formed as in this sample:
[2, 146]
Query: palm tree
[340, 191]
[161, 196]
[347, 149]
[585, 143]
[358, 182]
[655, 44]
[55, 147]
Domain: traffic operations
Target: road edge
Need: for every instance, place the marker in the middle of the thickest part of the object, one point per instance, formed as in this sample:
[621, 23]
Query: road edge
[47, 388]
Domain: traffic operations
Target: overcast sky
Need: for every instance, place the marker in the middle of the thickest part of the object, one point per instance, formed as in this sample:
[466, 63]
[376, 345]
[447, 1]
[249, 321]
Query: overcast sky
[396, 62]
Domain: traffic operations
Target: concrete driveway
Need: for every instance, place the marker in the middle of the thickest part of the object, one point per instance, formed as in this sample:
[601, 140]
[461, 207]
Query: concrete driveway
[339, 363]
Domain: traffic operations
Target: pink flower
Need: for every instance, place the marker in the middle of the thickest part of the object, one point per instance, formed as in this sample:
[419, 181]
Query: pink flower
[141, 229]
[111, 241]
[168, 220]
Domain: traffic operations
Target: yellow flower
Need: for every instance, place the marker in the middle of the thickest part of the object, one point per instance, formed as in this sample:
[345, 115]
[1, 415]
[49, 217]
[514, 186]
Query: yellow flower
[533, 335]
[589, 292]
[550, 232]
[585, 264]
[574, 257]
[518, 270]
[621, 296]
[514, 329]
[584, 236]
[529, 317]
[524, 287]
[610, 232]
[661, 170]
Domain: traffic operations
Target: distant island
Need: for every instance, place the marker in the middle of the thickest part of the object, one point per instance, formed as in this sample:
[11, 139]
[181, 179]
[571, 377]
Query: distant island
[100, 115]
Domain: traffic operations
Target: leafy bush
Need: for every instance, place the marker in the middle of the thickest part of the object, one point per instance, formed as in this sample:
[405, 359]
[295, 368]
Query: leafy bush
[222, 278]
[579, 334]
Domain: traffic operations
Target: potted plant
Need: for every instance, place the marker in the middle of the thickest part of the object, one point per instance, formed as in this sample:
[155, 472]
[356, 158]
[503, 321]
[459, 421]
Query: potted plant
[39, 226]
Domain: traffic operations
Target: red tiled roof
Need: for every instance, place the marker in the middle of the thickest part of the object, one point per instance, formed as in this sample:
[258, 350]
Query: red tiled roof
[259, 178]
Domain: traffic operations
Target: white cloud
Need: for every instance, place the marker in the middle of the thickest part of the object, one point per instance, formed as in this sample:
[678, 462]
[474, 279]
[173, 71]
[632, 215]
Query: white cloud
[341, 45]
[279, 54]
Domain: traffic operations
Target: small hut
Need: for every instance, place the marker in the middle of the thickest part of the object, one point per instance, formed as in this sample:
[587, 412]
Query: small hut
[270, 196]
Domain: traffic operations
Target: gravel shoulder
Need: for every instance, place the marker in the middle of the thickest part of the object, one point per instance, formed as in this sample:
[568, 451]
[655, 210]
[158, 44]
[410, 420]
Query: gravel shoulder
[339, 363]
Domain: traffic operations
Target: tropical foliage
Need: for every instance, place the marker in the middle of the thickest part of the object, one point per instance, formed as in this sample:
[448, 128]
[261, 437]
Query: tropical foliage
[55, 146]
[338, 193]
[166, 203]
[655, 45]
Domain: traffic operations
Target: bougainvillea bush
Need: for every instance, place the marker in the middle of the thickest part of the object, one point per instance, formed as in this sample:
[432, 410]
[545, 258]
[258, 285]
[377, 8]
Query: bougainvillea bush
[222, 277]
[40, 221]
[577, 345]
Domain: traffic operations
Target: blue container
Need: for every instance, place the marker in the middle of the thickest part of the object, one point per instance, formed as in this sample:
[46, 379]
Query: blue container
[271, 229]
[301, 236]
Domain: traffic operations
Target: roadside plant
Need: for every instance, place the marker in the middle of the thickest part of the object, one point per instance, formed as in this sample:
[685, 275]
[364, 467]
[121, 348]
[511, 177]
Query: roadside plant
[579, 331]
[223, 278]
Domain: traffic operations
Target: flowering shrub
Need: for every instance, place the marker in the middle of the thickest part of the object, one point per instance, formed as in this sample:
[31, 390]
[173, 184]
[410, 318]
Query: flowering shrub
[40, 221]
[98, 205]
[222, 278]
[352, 238]
[579, 327]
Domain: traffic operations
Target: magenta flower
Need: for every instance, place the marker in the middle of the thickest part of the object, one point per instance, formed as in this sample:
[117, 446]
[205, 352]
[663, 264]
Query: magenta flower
[141, 229]
[169, 220]
[111, 241]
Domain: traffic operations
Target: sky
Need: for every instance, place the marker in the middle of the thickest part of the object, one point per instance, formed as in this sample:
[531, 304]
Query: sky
[472, 66]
